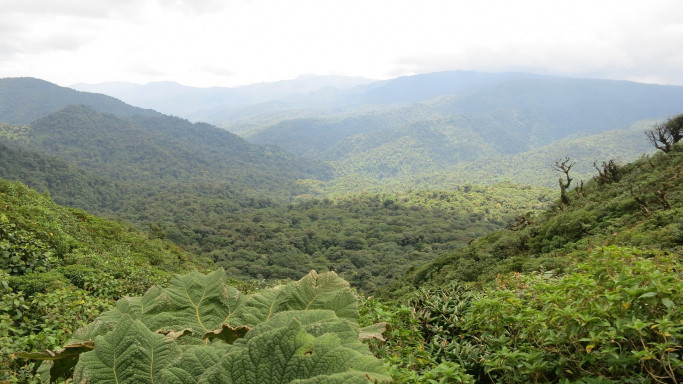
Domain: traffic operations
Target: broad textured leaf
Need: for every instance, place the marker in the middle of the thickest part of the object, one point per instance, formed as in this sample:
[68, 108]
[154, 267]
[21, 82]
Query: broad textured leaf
[195, 360]
[321, 291]
[257, 308]
[316, 323]
[315, 291]
[286, 354]
[130, 353]
[194, 301]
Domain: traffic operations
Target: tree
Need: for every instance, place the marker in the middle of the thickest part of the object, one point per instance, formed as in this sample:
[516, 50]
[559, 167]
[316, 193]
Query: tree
[564, 166]
[610, 172]
[664, 135]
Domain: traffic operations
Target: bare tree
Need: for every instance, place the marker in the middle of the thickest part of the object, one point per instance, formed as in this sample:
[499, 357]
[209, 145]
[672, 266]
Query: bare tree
[664, 135]
[564, 166]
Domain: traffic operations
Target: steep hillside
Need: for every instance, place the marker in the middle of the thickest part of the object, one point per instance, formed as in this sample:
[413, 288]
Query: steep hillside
[640, 205]
[590, 291]
[161, 150]
[67, 184]
[534, 167]
[164, 147]
[59, 267]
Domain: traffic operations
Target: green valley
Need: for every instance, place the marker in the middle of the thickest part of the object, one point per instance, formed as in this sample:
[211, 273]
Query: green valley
[410, 231]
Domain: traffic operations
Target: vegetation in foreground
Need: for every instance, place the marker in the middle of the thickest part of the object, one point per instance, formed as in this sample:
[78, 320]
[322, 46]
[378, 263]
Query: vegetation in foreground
[588, 292]
[60, 267]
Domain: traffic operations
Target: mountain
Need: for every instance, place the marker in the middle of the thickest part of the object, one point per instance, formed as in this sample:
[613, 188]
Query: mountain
[25, 99]
[161, 148]
[146, 169]
[177, 99]
[507, 117]
[124, 142]
[423, 87]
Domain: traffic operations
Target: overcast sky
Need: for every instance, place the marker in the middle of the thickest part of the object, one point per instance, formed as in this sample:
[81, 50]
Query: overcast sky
[235, 42]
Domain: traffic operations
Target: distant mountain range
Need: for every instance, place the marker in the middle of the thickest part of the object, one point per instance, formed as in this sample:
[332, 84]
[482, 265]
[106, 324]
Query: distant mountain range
[176, 99]
[131, 150]
[484, 117]
[430, 129]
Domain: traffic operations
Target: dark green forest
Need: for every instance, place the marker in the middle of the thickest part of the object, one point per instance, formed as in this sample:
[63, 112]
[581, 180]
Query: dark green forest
[186, 252]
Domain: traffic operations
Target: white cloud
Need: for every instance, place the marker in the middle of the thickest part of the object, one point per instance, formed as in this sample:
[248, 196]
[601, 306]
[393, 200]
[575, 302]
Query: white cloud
[214, 42]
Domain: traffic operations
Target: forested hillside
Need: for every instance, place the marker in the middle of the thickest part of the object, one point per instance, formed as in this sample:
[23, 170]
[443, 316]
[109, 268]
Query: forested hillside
[588, 291]
[61, 266]
[157, 149]
[493, 119]
[637, 204]
[67, 184]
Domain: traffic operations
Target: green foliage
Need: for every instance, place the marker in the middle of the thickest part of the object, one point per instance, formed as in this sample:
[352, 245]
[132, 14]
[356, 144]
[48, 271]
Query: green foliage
[201, 330]
[420, 343]
[66, 183]
[95, 281]
[615, 317]
[368, 239]
[61, 267]
[21, 251]
[643, 209]
[41, 321]
[38, 282]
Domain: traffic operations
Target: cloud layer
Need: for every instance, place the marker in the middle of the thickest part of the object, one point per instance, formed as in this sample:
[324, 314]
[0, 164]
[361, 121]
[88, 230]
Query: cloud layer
[214, 42]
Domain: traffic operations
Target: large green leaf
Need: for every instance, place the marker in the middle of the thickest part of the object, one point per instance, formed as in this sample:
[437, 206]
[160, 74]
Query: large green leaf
[194, 301]
[130, 353]
[199, 329]
[195, 360]
[315, 322]
[315, 291]
[321, 291]
[289, 353]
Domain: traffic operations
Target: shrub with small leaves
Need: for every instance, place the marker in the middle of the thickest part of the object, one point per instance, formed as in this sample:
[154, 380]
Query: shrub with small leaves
[618, 316]
[21, 252]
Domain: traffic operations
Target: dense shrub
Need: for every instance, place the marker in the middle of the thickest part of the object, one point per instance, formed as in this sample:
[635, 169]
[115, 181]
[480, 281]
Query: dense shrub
[615, 318]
